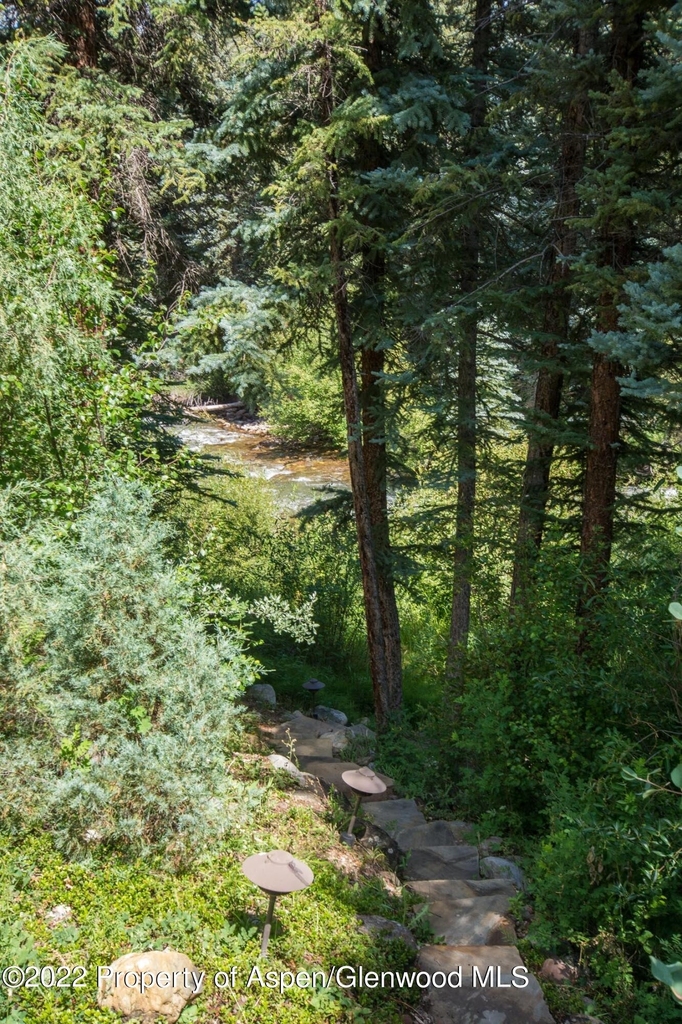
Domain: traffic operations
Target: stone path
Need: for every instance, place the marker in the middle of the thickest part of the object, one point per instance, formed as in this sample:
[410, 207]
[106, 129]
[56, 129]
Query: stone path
[471, 913]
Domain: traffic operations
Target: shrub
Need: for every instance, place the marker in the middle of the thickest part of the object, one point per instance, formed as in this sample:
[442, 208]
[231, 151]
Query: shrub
[116, 708]
[305, 403]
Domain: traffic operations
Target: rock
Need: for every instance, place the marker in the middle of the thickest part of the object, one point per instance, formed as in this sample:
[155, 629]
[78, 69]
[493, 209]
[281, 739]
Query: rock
[339, 740]
[500, 867]
[330, 715]
[461, 889]
[329, 772]
[477, 921]
[442, 862]
[558, 971]
[59, 915]
[262, 692]
[342, 737]
[372, 924]
[284, 764]
[490, 846]
[433, 833]
[301, 736]
[360, 731]
[121, 991]
[496, 1003]
[395, 815]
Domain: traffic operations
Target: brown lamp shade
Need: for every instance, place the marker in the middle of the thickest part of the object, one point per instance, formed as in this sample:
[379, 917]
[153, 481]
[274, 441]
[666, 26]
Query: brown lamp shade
[364, 780]
[277, 872]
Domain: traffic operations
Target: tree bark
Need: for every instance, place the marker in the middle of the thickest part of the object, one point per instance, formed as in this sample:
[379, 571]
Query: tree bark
[79, 32]
[380, 660]
[617, 246]
[547, 403]
[466, 386]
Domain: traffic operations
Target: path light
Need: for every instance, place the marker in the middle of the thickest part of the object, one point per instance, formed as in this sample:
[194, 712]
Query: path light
[276, 873]
[313, 686]
[364, 782]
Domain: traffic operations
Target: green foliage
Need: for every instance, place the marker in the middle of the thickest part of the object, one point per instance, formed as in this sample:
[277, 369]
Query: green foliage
[117, 710]
[305, 402]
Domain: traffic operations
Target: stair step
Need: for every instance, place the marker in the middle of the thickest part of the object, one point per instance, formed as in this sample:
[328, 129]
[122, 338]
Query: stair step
[460, 889]
[431, 833]
[392, 816]
[488, 997]
[457, 861]
[473, 921]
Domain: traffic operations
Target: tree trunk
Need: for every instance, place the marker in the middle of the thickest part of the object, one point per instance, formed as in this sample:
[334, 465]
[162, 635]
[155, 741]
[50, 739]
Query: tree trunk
[374, 452]
[535, 489]
[381, 661]
[599, 494]
[79, 33]
[466, 387]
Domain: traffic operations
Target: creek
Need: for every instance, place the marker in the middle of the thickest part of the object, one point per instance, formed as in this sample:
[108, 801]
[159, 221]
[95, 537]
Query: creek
[295, 477]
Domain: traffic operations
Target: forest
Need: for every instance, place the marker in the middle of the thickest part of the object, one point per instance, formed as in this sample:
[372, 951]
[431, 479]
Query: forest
[340, 339]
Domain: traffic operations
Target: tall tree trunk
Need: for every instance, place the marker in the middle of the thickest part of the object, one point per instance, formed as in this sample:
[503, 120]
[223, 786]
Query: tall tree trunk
[466, 386]
[369, 499]
[374, 452]
[535, 489]
[617, 245]
[79, 33]
[366, 458]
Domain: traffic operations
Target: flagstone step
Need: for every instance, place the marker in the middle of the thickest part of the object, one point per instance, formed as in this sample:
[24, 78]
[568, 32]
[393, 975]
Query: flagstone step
[495, 987]
[432, 833]
[329, 771]
[393, 816]
[460, 889]
[473, 921]
[456, 861]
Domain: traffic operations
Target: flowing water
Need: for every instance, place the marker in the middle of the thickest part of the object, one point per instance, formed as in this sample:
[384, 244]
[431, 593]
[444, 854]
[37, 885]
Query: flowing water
[296, 478]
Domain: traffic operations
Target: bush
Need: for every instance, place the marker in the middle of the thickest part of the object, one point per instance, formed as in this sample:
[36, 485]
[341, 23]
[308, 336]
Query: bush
[305, 403]
[116, 708]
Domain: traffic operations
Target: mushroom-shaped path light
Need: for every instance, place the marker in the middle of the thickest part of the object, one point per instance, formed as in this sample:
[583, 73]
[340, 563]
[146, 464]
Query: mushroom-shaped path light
[313, 686]
[364, 782]
[276, 873]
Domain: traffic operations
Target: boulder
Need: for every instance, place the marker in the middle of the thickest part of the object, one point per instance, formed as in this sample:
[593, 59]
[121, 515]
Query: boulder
[330, 715]
[262, 692]
[285, 765]
[146, 986]
[500, 867]
[372, 924]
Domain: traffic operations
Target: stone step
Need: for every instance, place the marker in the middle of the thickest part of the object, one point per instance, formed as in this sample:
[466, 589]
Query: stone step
[431, 833]
[473, 921]
[329, 771]
[440, 862]
[460, 889]
[493, 995]
[392, 816]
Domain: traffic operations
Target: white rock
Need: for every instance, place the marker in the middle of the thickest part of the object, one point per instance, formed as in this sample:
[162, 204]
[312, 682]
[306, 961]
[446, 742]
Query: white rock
[285, 765]
[500, 867]
[59, 914]
[330, 715]
[179, 981]
[262, 692]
